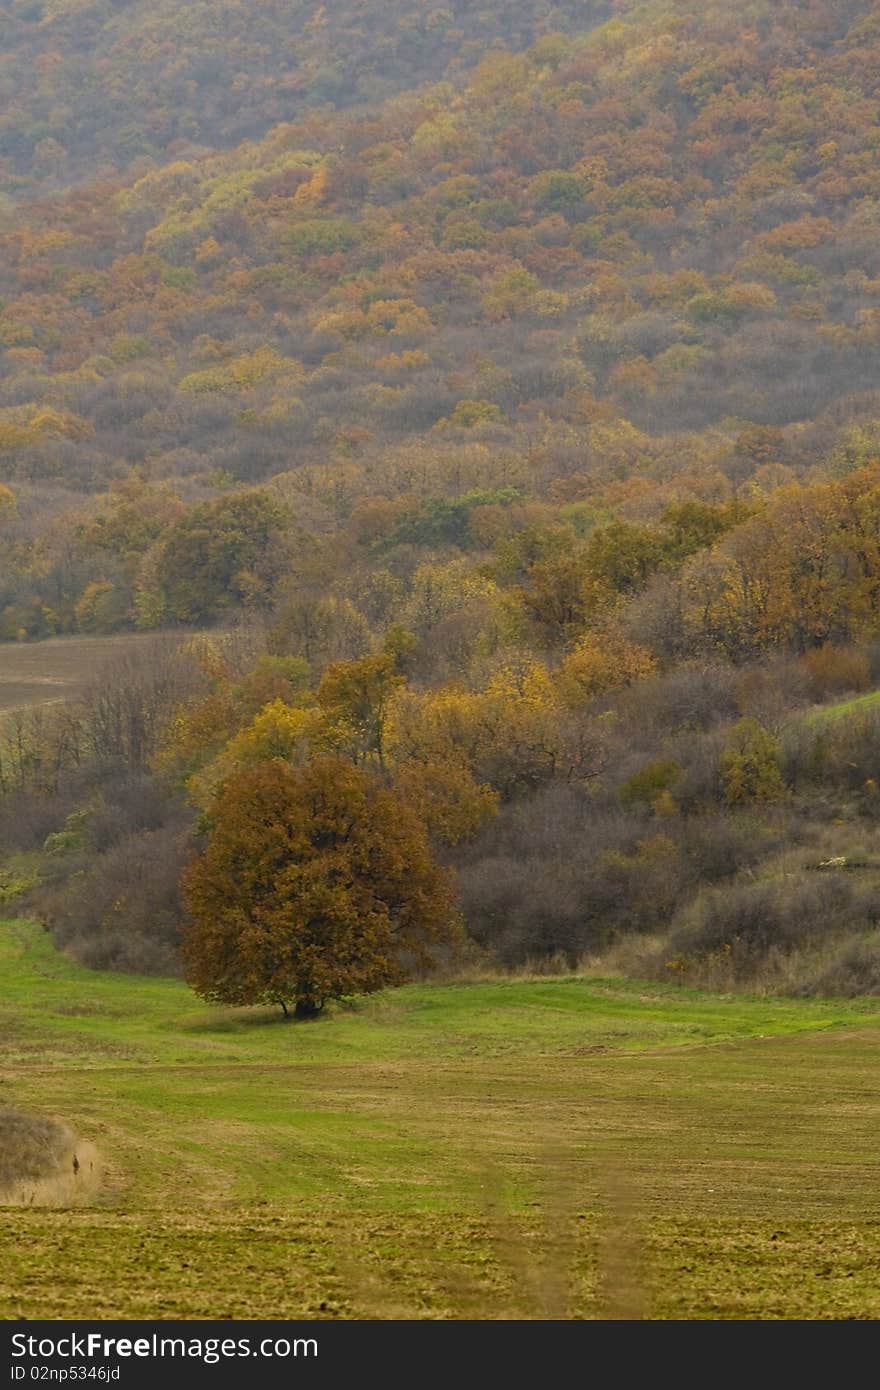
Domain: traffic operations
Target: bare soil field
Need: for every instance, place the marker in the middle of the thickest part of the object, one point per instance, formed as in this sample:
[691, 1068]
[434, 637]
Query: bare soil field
[42, 673]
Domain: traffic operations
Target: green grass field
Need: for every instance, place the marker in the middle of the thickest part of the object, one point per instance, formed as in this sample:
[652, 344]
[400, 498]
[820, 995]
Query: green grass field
[571, 1147]
[845, 709]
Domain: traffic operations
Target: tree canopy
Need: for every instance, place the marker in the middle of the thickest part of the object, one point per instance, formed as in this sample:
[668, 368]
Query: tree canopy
[316, 883]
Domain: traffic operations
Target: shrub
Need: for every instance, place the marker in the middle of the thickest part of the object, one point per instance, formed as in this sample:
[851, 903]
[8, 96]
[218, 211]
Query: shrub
[700, 756]
[834, 670]
[855, 970]
[841, 753]
[601, 662]
[122, 910]
[31, 1147]
[750, 769]
[645, 787]
[742, 926]
[556, 874]
[695, 696]
[769, 691]
[718, 847]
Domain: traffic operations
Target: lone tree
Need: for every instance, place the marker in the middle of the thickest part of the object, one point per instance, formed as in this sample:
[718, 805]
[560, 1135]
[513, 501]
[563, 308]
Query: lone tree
[317, 882]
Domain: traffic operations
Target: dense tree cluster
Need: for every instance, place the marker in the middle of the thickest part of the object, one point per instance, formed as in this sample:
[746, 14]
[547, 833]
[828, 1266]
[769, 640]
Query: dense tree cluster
[120, 83]
[627, 268]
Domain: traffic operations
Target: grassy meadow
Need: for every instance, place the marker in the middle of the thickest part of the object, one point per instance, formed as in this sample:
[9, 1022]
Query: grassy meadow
[845, 709]
[568, 1147]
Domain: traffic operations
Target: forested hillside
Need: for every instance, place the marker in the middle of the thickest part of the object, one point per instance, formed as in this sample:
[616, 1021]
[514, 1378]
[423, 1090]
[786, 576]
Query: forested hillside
[512, 377]
[102, 84]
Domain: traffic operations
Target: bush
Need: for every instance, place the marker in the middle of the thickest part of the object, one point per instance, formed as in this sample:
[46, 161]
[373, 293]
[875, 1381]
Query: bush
[750, 769]
[697, 696]
[721, 846]
[855, 970]
[700, 756]
[30, 1147]
[842, 754]
[129, 803]
[557, 874]
[769, 691]
[834, 670]
[122, 909]
[647, 786]
[740, 927]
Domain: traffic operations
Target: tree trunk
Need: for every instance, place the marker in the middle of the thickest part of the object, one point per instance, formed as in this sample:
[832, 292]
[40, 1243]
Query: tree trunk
[307, 1008]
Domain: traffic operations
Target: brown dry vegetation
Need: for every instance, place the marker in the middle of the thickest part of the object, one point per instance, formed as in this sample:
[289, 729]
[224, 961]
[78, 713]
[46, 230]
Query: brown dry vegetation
[41, 1162]
[30, 1146]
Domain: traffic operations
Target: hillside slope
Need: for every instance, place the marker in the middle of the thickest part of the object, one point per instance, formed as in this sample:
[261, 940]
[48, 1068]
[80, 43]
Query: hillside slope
[529, 420]
[92, 84]
[668, 225]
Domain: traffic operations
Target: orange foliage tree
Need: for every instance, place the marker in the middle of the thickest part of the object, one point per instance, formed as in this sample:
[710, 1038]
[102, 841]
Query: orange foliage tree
[316, 883]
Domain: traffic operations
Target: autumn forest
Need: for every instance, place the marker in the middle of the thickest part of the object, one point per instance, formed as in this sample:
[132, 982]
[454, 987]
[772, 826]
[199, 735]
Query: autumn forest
[481, 408]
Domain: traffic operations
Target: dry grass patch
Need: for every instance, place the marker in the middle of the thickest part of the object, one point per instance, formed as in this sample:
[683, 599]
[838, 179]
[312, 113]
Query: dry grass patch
[42, 1163]
[31, 1147]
